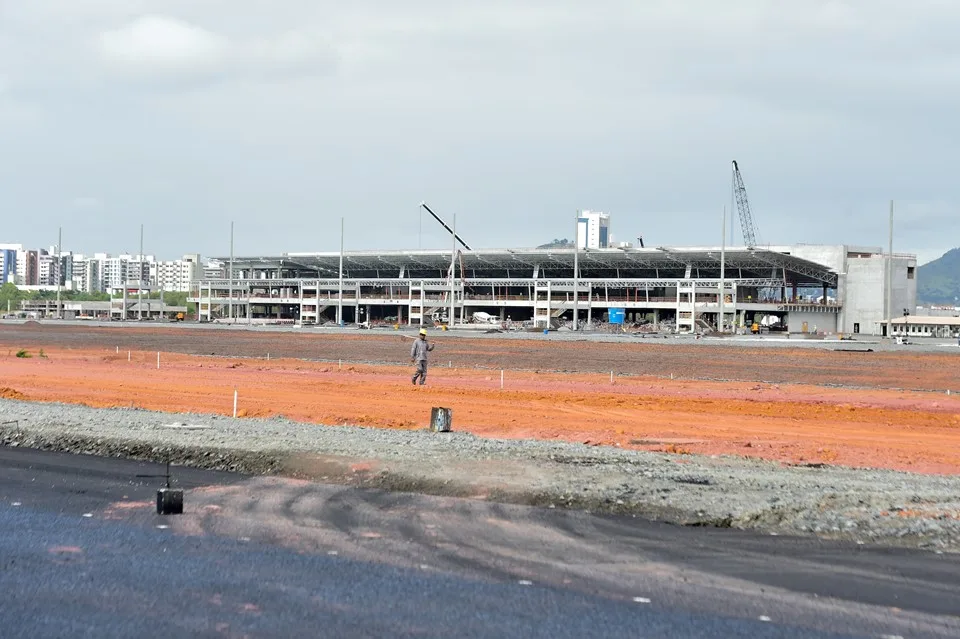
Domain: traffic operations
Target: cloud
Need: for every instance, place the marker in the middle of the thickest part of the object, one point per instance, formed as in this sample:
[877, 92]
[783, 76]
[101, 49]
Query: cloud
[159, 44]
[511, 112]
[156, 46]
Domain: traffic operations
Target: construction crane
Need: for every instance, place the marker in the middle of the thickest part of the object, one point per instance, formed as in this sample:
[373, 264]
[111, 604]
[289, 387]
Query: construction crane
[451, 274]
[444, 224]
[743, 206]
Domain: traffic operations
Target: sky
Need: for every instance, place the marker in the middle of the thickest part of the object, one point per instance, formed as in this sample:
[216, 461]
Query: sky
[284, 116]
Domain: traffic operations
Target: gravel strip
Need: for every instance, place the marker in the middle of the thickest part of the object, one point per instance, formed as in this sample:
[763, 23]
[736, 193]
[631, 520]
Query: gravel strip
[872, 506]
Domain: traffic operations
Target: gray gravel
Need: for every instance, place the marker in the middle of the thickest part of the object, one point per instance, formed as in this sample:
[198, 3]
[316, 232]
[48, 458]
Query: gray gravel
[871, 506]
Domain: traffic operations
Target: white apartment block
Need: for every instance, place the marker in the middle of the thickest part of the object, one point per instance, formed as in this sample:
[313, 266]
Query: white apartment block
[113, 271]
[176, 275]
[99, 272]
[21, 272]
[49, 269]
[593, 230]
[85, 274]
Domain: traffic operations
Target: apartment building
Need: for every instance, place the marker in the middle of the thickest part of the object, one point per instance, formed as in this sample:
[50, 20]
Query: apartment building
[8, 262]
[48, 269]
[27, 268]
[100, 272]
[176, 275]
[85, 274]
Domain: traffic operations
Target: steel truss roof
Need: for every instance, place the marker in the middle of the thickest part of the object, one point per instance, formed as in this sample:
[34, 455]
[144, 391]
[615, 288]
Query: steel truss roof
[503, 264]
[330, 284]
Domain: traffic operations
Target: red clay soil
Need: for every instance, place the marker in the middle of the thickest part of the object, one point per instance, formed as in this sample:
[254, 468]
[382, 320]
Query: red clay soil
[794, 423]
[657, 357]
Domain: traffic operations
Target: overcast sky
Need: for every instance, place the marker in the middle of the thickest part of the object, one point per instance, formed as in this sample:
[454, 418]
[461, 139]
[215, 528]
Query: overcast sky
[284, 115]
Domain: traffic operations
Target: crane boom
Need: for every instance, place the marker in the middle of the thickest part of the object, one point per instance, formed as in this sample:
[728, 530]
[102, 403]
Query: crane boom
[444, 224]
[743, 206]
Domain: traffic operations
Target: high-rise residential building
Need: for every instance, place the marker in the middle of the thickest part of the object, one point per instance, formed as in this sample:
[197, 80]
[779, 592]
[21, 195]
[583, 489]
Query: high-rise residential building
[65, 263]
[97, 273]
[176, 275]
[115, 272]
[27, 268]
[48, 268]
[8, 262]
[85, 274]
[593, 230]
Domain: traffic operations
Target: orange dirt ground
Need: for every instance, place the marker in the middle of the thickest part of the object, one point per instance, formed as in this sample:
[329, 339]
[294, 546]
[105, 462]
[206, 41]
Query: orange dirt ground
[794, 423]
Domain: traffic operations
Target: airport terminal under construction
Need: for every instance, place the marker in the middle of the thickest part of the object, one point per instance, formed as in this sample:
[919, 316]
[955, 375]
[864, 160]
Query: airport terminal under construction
[797, 289]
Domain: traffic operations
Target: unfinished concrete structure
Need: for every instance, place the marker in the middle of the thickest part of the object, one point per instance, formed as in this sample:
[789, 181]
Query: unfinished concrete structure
[825, 289]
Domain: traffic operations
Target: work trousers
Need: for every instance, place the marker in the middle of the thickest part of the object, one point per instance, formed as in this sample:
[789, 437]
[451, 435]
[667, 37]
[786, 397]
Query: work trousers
[421, 373]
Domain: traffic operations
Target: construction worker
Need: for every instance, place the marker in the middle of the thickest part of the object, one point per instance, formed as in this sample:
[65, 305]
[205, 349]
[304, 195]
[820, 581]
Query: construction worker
[418, 355]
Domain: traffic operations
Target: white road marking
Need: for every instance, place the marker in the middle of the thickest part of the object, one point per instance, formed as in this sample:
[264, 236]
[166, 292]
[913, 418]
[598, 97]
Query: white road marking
[17, 503]
[641, 600]
[162, 526]
[524, 582]
[88, 515]
[763, 618]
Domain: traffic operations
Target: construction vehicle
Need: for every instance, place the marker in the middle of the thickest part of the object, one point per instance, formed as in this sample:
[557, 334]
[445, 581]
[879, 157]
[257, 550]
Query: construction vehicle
[179, 317]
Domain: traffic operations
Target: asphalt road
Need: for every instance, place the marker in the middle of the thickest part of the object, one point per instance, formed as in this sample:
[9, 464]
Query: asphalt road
[83, 554]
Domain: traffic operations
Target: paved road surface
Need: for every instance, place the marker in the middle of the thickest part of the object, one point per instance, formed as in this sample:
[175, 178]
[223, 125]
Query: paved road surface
[83, 554]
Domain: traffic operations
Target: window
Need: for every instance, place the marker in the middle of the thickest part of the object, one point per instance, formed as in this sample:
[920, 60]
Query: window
[910, 272]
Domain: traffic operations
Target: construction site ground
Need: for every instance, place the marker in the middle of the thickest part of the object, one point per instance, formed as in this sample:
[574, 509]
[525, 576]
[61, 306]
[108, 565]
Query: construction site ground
[798, 407]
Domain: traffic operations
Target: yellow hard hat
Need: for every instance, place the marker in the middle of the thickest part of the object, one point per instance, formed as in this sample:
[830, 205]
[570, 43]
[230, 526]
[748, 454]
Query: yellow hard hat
[423, 331]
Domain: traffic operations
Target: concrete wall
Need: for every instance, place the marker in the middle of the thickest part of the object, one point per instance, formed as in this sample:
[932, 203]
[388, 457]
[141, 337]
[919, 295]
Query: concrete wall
[863, 293]
[904, 288]
[821, 322]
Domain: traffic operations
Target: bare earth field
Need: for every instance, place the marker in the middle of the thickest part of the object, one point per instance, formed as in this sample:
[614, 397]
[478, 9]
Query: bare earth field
[557, 391]
[661, 358]
[792, 421]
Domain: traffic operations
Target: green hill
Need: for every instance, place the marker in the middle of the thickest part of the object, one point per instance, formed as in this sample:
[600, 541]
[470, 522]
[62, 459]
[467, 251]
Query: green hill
[938, 282]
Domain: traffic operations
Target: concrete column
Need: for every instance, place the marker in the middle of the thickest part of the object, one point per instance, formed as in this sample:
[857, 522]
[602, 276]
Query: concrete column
[549, 307]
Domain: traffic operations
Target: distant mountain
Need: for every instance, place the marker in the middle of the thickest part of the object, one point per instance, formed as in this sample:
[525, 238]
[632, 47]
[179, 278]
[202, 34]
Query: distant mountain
[938, 282]
[564, 243]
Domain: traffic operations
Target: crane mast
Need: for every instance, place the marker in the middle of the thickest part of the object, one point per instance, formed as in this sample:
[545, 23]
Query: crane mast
[743, 206]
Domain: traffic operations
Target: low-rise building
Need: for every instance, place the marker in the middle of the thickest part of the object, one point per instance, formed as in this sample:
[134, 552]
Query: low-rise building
[926, 326]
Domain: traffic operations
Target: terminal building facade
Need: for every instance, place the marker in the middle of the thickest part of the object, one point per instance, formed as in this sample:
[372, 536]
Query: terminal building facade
[799, 289]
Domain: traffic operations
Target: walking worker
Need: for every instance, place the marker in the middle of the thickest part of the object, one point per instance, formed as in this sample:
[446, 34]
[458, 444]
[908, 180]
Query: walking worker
[418, 355]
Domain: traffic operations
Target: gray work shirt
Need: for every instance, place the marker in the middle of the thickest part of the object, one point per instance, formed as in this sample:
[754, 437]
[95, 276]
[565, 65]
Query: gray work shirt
[419, 351]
